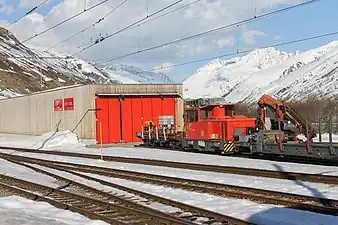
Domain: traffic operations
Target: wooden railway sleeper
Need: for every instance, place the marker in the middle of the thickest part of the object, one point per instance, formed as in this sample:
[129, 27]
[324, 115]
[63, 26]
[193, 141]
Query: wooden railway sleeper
[278, 197]
[215, 215]
[27, 194]
[91, 200]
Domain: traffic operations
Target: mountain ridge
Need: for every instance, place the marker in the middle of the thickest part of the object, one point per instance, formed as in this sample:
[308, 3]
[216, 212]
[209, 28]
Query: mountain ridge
[268, 71]
[26, 69]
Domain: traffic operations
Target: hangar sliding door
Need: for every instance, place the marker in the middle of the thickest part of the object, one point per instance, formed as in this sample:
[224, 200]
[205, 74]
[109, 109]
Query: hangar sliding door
[122, 120]
[108, 116]
[137, 110]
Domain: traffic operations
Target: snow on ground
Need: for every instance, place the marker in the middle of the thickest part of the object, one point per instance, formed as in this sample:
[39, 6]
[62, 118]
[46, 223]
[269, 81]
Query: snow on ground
[21, 172]
[52, 140]
[259, 213]
[67, 141]
[20, 211]
[288, 186]
[15, 210]
[263, 214]
[108, 189]
[325, 138]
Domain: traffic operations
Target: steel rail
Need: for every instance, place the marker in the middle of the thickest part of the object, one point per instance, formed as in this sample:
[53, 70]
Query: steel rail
[265, 156]
[105, 209]
[308, 203]
[26, 194]
[295, 201]
[315, 178]
[188, 212]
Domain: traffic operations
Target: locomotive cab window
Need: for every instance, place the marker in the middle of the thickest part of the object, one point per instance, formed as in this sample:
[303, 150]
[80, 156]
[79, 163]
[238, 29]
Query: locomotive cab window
[205, 114]
[229, 110]
[191, 116]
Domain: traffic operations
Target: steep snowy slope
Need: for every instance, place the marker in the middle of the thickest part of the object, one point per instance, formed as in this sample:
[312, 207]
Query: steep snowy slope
[219, 77]
[320, 77]
[311, 72]
[137, 75]
[268, 71]
[26, 69]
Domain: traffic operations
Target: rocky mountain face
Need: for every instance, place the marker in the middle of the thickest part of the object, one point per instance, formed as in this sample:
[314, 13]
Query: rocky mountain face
[24, 70]
[268, 71]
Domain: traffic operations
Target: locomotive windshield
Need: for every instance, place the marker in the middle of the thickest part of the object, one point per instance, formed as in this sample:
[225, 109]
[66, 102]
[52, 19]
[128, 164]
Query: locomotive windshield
[191, 116]
[229, 109]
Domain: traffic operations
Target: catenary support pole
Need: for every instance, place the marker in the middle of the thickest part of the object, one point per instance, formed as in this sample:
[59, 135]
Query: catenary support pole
[280, 136]
[330, 133]
[308, 147]
[320, 130]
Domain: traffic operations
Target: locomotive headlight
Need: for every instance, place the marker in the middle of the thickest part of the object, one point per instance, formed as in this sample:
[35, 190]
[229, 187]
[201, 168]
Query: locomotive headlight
[216, 144]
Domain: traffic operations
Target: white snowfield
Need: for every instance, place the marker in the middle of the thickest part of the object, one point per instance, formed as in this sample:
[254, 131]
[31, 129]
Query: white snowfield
[258, 213]
[262, 214]
[268, 71]
[21, 172]
[15, 210]
[20, 211]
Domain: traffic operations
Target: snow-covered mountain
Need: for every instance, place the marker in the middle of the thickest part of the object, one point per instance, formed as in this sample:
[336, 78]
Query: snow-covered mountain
[136, 75]
[268, 71]
[26, 69]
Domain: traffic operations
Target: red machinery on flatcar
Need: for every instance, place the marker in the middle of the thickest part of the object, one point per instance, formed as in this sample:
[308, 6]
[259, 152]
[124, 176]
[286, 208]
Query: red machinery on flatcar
[214, 127]
[211, 127]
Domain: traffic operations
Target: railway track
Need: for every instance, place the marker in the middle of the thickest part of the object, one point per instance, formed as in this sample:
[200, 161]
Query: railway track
[266, 156]
[308, 203]
[315, 178]
[107, 209]
[184, 214]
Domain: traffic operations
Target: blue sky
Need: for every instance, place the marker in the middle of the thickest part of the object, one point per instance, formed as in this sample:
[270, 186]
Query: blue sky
[21, 10]
[313, 19]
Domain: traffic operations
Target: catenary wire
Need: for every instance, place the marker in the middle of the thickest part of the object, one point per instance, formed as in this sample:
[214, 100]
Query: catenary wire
[27, 13]
[88, 27]
[160, 16]
[209, 58]
[64, 21]
[209, 31]
[167, 13]
[247, 51]
[131, 25]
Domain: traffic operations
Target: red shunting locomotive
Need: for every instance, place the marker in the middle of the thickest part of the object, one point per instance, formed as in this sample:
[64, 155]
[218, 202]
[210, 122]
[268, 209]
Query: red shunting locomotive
[207, 127]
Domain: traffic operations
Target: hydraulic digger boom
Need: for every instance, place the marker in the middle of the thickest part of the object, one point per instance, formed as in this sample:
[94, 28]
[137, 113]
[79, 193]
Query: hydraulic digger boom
[284, 114]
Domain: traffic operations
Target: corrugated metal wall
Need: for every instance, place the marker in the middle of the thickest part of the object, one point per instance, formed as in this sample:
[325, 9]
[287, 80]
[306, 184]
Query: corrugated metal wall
[35, 115]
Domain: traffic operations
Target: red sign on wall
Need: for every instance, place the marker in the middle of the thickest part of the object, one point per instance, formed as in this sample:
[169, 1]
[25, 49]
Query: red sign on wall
[58, 106]
[69, 103]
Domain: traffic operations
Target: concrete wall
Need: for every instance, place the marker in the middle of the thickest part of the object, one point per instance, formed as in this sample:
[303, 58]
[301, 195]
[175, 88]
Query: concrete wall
[35, 115]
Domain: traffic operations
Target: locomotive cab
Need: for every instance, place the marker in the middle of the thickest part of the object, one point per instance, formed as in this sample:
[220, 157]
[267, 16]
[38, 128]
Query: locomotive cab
[196, 114]
[216, 122]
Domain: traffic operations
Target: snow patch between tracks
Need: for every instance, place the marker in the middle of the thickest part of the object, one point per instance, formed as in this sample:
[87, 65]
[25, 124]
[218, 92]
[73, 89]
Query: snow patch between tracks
[20, 211]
